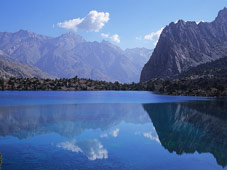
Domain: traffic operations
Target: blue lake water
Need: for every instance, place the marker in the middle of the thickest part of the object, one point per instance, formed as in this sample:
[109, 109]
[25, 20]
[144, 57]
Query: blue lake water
[111, 130]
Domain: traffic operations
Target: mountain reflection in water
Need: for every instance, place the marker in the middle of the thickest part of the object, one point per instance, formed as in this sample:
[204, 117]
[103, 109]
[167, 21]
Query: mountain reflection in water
[66, 120]
[188, 127]
[193, 126]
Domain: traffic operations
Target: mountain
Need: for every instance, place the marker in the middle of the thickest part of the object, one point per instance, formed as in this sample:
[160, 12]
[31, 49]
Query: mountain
[69, 55]
[187, 44]
[217, 68]
[11, 68]
[22, 46]
[138, 56]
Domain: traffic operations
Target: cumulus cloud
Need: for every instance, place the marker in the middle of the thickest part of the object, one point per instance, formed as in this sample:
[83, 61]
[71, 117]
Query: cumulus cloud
[104, 135]
[114, 133]
[154, 35]
[115, 38]
[139, 38]
[93, 149]
[151, 136]
[93, 22]
[70, 146]
[105, 35]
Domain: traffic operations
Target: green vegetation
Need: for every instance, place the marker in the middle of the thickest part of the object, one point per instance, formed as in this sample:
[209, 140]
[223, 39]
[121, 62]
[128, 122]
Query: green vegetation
[64, 84]
[205, 86]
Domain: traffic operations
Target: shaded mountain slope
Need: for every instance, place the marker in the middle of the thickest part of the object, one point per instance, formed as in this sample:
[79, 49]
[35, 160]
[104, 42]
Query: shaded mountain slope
[217, 68]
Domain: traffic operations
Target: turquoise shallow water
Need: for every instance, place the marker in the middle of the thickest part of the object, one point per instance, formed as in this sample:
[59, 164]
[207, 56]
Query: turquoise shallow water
[111, 130]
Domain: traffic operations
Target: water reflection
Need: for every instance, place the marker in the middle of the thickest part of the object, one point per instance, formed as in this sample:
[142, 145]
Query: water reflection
[67, 120]
[179, 127]
[93, 149]
[190, 127]
[113, 133]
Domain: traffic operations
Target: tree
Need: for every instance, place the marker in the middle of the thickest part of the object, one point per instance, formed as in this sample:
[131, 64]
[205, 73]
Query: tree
[2, 84]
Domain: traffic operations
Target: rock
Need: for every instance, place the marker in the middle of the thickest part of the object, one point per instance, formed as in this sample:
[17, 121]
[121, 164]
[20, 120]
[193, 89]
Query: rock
[187, 44]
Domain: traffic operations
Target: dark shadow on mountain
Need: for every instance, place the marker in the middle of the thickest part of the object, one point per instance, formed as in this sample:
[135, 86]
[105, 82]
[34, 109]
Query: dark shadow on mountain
[192, 127]
[66, 120]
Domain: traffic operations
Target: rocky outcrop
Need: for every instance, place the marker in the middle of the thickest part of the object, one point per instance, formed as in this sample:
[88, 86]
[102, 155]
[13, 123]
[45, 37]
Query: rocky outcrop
[187, 44]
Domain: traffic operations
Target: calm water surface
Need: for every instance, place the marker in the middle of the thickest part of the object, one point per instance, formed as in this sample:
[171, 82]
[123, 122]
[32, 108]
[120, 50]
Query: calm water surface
[111, 130]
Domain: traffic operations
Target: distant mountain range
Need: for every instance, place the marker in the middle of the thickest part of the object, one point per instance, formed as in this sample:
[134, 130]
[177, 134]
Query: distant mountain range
[10, 68]
[67, 56]
[184, 45]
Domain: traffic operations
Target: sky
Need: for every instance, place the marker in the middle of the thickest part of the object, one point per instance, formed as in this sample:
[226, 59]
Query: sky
[126, 23]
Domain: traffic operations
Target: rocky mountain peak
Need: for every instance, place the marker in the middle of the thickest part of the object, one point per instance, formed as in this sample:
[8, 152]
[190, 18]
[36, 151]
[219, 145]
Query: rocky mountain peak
[72, 36]
[222, 16]
[187, 44]
[28, 34]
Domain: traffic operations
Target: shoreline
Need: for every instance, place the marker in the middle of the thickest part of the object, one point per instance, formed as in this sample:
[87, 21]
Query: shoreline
[201, 87]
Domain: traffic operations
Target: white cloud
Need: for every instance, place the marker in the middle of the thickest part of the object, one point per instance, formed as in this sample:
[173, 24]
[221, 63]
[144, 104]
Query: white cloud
[199, 22]
[93, 22]
[154, 36]
[113, 133]
[155, 43]
[115, 38]
[151, 136]
[70, 146]
[93, 149]
[105, 135]
[105, 35]
[139, 38]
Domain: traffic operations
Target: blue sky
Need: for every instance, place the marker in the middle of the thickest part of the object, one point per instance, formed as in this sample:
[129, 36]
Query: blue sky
[123, 22]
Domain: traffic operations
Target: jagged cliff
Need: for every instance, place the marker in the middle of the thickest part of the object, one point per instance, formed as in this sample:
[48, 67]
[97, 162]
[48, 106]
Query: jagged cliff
[187, 44]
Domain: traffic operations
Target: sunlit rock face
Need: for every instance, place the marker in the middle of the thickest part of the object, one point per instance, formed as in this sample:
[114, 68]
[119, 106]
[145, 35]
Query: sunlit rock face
[192, 127]
[187, 44]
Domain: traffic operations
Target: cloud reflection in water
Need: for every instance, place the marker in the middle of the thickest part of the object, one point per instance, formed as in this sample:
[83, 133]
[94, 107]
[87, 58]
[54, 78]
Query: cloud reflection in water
[92, 149]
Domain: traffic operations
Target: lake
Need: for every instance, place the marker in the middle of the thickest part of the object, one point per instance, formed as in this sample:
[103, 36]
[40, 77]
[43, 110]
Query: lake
[111, 130]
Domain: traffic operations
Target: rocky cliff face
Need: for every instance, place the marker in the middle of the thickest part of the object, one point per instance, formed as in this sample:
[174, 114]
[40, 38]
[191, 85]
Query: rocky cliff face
[187, 44]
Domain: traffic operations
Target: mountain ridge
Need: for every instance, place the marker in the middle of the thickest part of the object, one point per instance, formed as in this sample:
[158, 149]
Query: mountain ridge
[187, 44]
[10, 68]
[70, 55]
